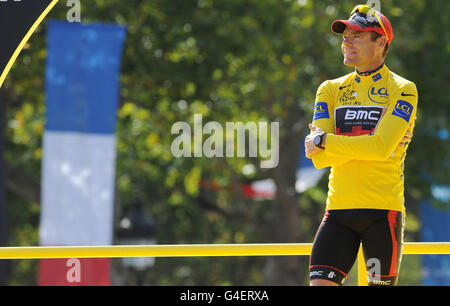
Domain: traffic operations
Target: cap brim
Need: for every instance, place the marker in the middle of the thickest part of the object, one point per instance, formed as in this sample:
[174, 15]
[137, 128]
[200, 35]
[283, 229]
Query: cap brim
[338, 26]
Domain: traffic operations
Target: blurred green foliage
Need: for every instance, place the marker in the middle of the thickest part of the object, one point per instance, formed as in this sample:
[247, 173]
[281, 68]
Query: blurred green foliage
[230, 60]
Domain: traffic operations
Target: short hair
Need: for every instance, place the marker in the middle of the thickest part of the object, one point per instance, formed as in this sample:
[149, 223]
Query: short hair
[375, 36]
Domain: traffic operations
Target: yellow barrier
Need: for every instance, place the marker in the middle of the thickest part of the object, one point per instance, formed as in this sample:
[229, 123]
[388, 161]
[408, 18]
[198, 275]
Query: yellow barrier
[195, 250]
[179, 250]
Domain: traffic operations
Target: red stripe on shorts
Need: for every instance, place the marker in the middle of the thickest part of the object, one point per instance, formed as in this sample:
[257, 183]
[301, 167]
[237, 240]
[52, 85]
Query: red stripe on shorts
[392, 218]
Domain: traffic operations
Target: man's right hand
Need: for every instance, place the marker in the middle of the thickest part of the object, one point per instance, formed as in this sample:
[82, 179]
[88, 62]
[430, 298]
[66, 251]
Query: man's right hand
[406, 139]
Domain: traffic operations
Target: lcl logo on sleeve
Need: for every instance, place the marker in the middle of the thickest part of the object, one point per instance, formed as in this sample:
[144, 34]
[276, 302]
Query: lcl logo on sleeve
[321, 111]
[403, 110]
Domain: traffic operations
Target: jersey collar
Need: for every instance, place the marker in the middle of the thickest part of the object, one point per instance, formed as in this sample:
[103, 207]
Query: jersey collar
[369, 72]
[370, 76]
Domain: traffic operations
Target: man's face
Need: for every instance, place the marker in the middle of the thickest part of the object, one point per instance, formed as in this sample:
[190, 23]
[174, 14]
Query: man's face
[358, 48]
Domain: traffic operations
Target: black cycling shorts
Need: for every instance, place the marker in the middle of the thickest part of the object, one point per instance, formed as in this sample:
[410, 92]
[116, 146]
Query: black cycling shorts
[339, 236]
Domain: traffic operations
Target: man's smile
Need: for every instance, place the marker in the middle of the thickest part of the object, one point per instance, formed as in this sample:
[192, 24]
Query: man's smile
[350, 52]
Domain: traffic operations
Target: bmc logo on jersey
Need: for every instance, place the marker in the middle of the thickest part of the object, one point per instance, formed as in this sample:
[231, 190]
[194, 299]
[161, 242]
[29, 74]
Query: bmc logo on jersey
[357, 120]
[321, 111]
[362, 114]
[403, 110]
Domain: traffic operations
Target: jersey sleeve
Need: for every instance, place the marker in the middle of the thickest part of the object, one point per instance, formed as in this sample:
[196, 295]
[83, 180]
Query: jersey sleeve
[324, 119]
[391, 129]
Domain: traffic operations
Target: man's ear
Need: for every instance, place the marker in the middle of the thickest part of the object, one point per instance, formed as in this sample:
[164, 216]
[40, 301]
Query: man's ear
[382, 41]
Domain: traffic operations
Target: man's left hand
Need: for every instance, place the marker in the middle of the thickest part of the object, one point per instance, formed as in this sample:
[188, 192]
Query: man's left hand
[310, 148]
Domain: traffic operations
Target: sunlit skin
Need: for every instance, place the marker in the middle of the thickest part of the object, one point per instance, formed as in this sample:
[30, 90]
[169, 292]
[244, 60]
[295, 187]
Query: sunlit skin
[363, 53]
[360, 51]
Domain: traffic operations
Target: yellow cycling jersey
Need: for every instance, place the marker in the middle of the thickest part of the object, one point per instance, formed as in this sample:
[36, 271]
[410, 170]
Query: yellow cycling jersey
[366, 117]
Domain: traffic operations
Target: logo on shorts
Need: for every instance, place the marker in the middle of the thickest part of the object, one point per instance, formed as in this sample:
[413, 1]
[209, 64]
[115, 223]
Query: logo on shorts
[315, 273]
[331, 274]
[380, 282]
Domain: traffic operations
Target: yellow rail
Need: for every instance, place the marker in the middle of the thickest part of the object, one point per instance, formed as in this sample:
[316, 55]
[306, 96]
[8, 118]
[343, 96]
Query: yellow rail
[191, 250]
[179, 250]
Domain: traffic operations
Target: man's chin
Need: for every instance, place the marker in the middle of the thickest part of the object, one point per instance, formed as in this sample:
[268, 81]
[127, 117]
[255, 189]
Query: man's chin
[350, 63]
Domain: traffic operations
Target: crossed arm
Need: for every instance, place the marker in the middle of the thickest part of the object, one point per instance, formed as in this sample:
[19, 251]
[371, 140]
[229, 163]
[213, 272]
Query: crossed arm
[394, 130]
[311, 149]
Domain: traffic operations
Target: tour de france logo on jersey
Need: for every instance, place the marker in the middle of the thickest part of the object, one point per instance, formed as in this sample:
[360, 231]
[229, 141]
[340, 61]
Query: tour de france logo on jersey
[378, 95]
[403, 110]
[321, 111]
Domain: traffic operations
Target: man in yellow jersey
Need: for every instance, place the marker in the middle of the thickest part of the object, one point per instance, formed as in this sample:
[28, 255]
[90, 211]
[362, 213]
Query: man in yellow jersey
[361, 128]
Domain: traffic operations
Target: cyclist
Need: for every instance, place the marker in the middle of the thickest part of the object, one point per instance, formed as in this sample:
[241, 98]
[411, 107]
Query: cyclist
[361, 128]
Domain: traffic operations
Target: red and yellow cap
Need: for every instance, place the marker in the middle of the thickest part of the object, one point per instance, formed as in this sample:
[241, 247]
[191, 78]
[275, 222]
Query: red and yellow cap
[365, 18]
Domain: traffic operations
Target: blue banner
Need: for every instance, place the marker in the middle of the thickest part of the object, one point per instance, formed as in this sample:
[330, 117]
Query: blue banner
[435, 228]
[82, 77]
